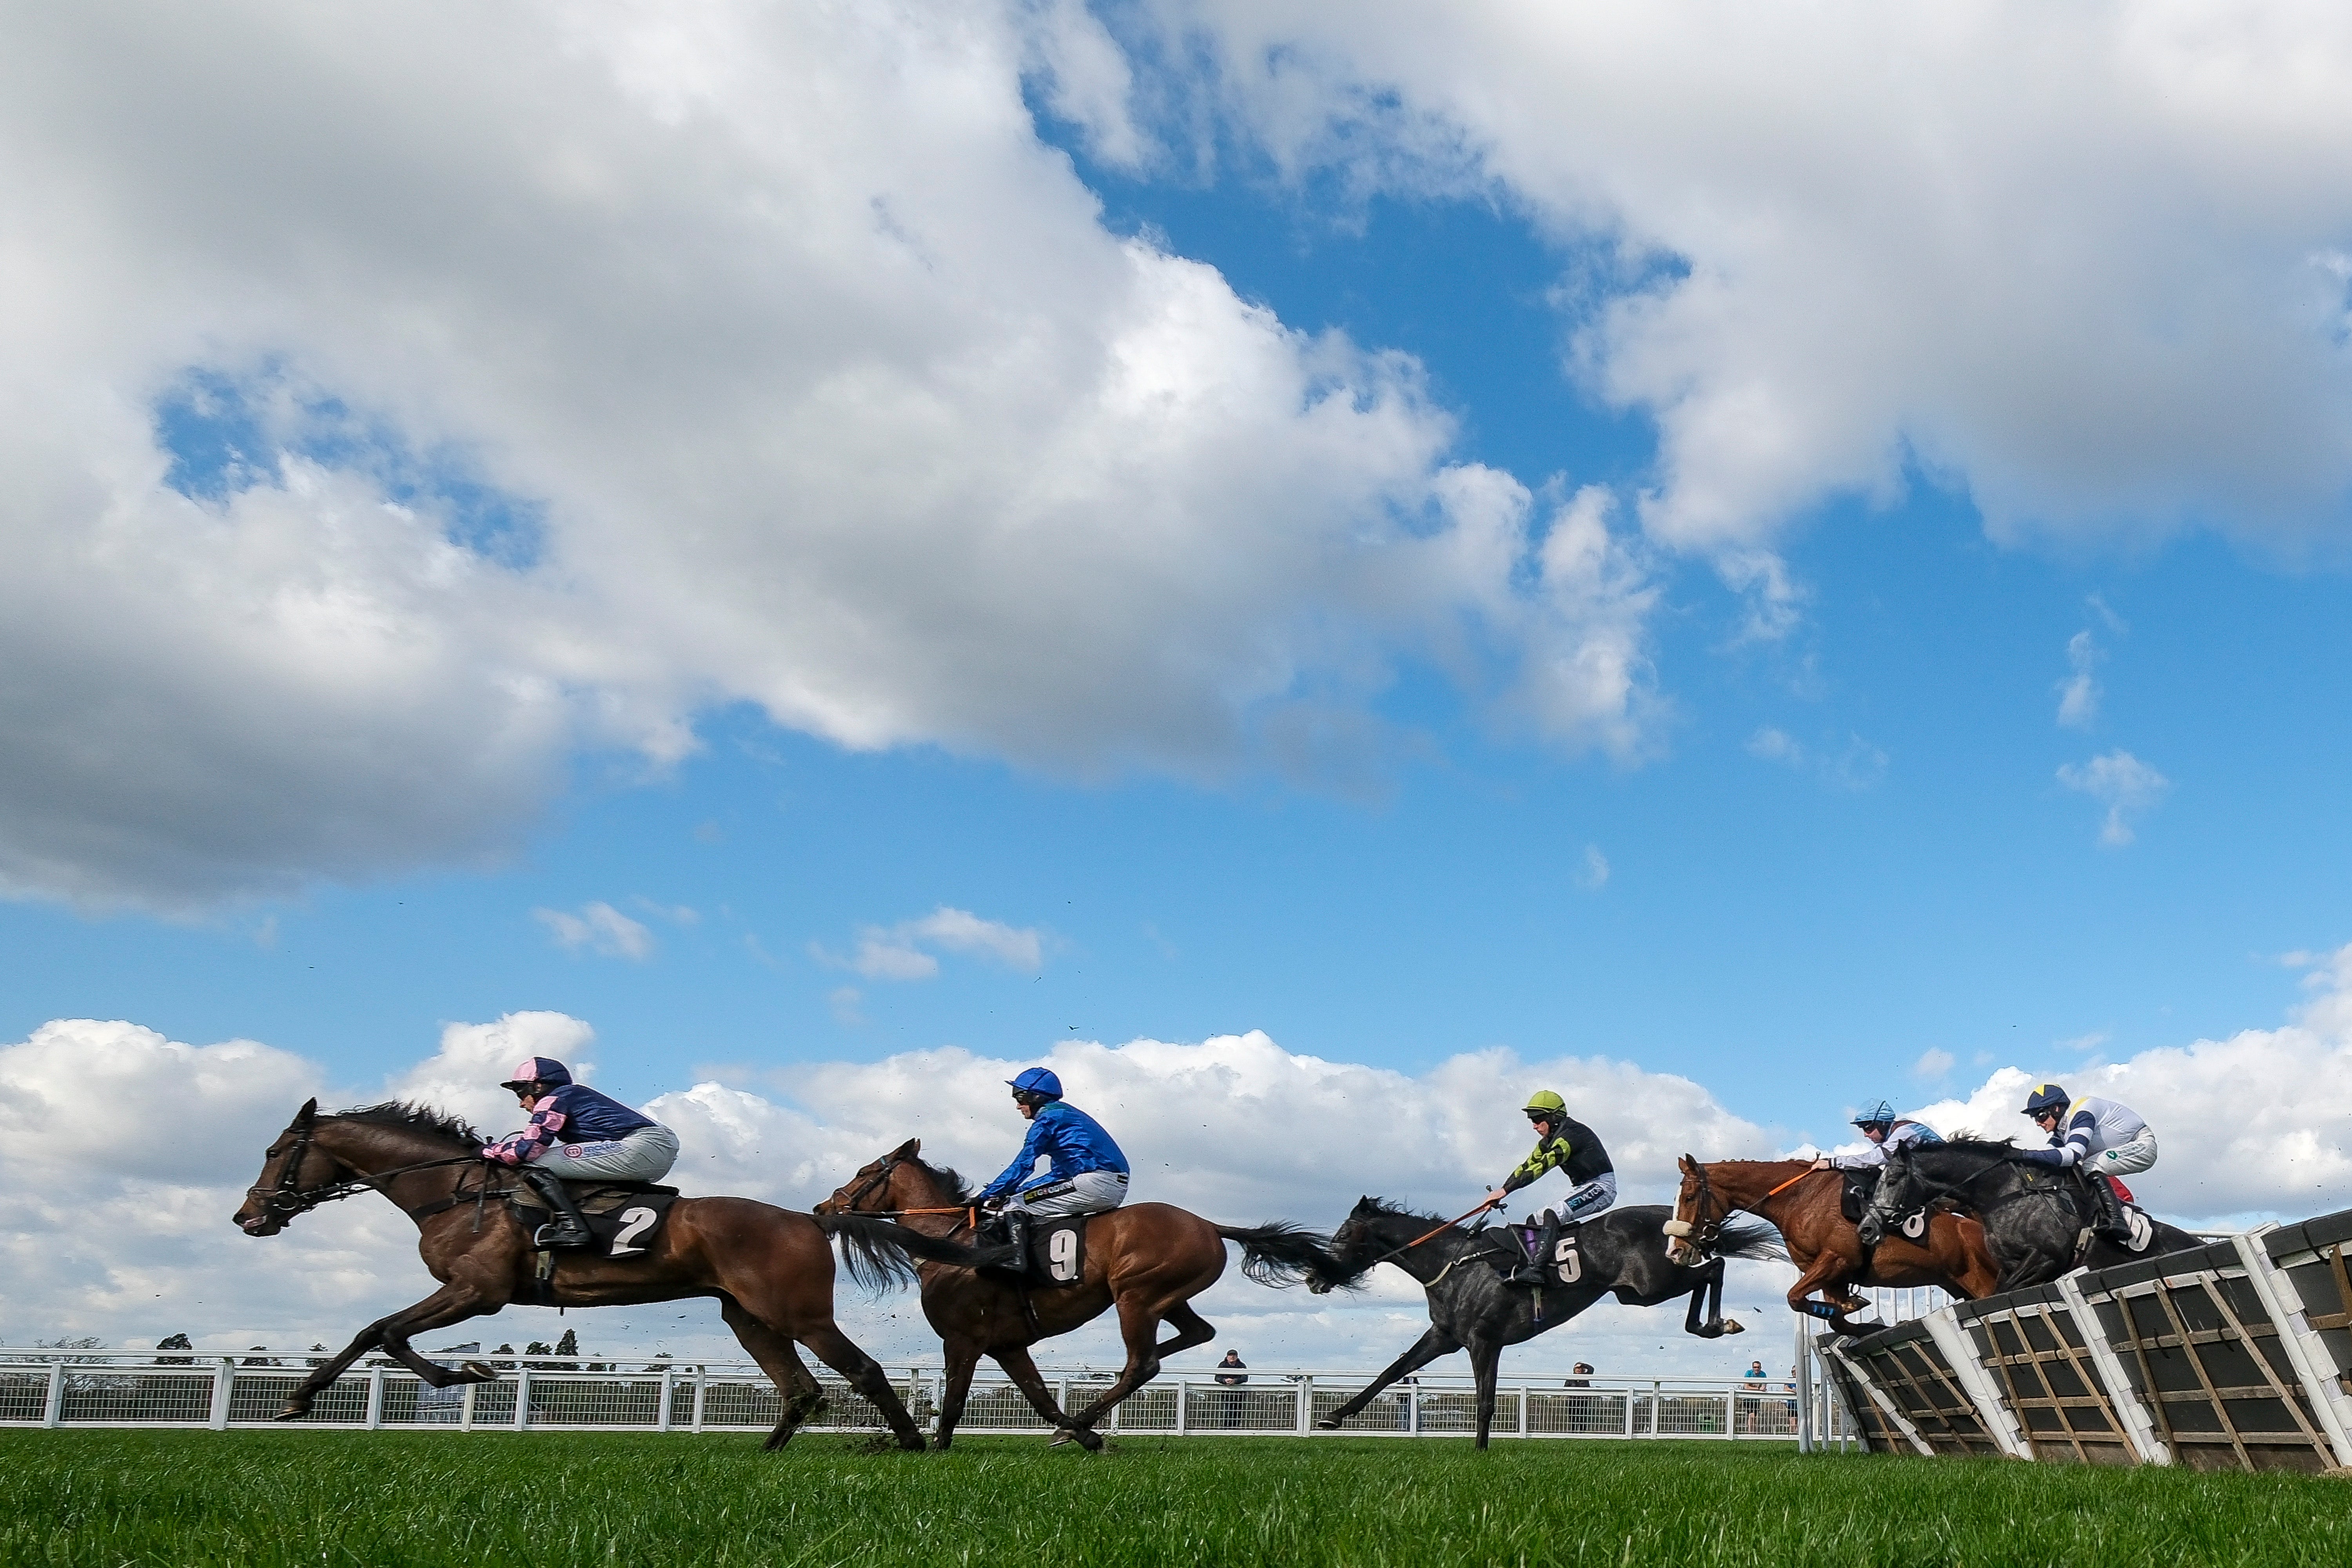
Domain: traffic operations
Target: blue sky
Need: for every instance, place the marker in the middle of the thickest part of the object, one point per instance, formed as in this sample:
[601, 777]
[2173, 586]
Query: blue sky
[1113, 477]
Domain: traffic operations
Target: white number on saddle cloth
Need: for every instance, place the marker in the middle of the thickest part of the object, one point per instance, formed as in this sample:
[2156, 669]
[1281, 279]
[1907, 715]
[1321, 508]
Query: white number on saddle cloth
[634, 1223]
[1914, 1226]
[2142, 1229]
[1570, 1261]
[1062, 1257]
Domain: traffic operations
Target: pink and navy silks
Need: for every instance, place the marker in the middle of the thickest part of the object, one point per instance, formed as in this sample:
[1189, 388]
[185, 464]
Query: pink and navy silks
[569, 1113]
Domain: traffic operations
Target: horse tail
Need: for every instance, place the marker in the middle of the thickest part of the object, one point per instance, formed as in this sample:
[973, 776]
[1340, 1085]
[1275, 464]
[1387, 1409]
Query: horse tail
[1745, 1236]
[879, 1255]
[1282, 1255]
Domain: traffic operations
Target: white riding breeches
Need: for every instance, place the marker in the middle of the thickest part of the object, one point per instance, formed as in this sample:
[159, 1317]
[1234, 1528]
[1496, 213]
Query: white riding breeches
[1088, 1192]
[1590, 1198]
[645, 1155]
[2125, 1158]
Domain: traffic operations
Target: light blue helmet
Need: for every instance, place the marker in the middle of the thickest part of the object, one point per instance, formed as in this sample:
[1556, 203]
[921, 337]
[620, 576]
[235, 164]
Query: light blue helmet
[1037, 1080]
[1879, 1115]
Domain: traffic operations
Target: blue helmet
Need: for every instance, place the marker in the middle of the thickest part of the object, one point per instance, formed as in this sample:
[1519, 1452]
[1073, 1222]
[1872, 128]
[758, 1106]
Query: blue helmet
[1037, 1080]
[2047, 1097]
[1879, 1115]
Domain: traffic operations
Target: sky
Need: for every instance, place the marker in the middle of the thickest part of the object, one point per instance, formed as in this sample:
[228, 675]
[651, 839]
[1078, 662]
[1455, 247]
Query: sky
[1318, 576]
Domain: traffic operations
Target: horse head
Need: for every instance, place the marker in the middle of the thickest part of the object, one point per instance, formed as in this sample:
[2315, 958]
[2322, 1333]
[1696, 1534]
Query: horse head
[1699, 1219]
[1900, 1190]
[276, 1194]
[894, 1184]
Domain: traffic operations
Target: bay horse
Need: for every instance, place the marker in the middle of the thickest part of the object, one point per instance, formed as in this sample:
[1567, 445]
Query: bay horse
[1470, 1308]
[2035, 1221]
[1804, 1205]
[772, 1270]
[1147, 1259]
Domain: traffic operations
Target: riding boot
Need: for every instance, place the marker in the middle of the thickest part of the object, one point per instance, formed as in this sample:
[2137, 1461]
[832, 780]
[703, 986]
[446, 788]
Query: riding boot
[1016, 1227]
[1537, 1270]
[2111, 1225]
[569, 1228]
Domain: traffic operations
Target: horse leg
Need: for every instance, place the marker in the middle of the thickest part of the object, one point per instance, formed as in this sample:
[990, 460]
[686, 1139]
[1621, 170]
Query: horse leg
[803, 1395]
[1192, 1328]
[1138, 1325]
[1707, 1299]
[1014, 1360]
[1828, 1270]
[963, 1356]
[453, 1303]
[1486, 1359]
[864, 1374]
[1426, 1349]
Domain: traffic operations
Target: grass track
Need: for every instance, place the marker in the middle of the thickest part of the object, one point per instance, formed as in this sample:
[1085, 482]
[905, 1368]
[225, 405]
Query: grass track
[273, 1500]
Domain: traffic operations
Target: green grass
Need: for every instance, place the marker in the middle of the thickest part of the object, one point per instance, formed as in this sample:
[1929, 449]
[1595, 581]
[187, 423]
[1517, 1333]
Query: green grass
[272, 1498]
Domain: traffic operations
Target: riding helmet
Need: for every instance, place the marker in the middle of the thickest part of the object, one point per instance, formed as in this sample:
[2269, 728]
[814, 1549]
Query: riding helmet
[1544, 1100]
[1879, 1115]
[1038, 1081]
[2047, 1097]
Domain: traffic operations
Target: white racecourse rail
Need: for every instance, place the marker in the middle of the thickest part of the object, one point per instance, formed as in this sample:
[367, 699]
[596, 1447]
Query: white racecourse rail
[79, 1386]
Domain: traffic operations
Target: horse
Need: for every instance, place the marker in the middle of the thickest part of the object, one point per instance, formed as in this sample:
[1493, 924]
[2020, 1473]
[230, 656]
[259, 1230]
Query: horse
[1804, 1204]
[772, 1270]
[1147, 1259]
[2033, 1242]
[1622, 1252]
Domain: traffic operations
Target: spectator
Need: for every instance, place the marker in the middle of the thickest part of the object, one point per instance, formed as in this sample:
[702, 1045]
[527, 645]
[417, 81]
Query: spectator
[1230, 1374]
[1583, 1378]
[1755, 1374]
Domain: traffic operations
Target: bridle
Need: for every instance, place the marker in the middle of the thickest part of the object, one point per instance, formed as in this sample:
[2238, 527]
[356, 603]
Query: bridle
[853, 1196]
[1703, 1232]
[291, 1199]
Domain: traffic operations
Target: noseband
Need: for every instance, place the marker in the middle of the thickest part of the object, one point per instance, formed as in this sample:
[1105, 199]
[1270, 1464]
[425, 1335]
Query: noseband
[1702, 1231]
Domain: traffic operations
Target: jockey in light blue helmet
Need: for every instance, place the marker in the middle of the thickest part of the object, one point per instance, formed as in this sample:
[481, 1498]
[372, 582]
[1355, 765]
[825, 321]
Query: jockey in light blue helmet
[1087, 1173]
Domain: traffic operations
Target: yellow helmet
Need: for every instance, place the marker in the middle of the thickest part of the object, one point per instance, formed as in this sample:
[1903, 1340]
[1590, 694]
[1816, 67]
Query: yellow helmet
[1545, 1100]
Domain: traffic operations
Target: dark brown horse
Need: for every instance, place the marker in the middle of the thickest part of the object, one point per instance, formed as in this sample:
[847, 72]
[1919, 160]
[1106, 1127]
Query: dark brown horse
[1804, 1205]
[771, 1268]
[1147, 1259]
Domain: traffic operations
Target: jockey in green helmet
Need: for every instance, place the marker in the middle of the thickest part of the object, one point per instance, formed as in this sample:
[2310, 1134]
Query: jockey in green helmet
[1562, 1144]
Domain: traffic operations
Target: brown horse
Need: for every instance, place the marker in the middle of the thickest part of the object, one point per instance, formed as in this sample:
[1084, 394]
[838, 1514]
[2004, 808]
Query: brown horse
[772, 1270]
[1147, 1260]
[1802, 1203]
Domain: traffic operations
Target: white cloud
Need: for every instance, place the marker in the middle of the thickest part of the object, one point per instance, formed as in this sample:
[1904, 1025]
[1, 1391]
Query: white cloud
[2083, 264]
[2078, 694]
[1933, 1064]
[2126, 787]
[1595, 875]
[1853, 764]
[796, 372]
[1776, 746]
[897, 952]
[599, 927]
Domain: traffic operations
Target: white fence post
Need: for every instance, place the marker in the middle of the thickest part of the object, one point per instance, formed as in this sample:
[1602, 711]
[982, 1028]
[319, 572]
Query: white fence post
[375, 1397]
[53, 1406]
[1180, 1403]
[1306, 1387]
[669, 1382]
[223, 1384]
[701, 1393]
[522, 1395]
[466, 1409]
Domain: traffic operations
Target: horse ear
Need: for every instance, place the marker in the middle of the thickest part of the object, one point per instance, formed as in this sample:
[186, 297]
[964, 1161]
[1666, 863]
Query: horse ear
[907, 1151]
[308, 1114]
[1687, 1165]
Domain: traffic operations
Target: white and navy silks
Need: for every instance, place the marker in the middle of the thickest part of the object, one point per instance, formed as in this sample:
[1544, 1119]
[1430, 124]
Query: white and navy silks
[1088, 1174]
[2102, 1136]
[1574, 1148]
[579, 1135]
[1873, 1157]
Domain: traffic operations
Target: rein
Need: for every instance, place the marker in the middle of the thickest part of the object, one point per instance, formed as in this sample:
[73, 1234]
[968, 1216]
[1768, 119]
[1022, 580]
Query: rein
[889, 1162]
[290, 1199]
[1441, 1230]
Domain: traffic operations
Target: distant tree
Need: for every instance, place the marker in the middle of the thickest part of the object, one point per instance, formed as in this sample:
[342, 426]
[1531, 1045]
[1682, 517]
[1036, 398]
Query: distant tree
[569, 1345]
[509, 1349]
[537, 1347]
[259, 1360]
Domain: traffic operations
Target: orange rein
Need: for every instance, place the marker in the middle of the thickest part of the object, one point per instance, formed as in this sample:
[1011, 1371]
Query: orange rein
[1784, 1186]
[1449, 1225]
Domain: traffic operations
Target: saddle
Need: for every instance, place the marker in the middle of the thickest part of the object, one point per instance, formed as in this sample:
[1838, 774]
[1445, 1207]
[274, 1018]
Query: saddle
[624, 1216]
[1057, 1253]
[1565, 1265]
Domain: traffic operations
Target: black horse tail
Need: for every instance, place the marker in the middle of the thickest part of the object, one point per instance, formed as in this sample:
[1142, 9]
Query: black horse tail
[1743, 1237]
[1282, 1255]
[879, 1255]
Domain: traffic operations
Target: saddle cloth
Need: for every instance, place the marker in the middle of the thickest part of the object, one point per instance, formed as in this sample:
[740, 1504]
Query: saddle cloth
[1058, 1255]
[1564, 1267]
[625, 1217]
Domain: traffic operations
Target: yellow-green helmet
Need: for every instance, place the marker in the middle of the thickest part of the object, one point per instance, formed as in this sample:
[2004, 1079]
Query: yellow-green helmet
[1544, 1102]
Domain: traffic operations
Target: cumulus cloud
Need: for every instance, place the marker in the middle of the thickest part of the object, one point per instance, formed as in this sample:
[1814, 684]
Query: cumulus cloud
[2085, 264]
[598, 928]
[1933, 1064]
[2126, 787]
[2078, 694]
[897, 953]
[394, 404]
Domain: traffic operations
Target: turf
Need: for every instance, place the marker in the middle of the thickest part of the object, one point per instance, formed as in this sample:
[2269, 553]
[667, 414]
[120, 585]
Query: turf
[267, 1498]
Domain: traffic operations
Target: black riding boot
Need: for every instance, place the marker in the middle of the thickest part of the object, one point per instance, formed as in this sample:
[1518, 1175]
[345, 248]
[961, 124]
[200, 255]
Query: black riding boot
[569, 1228]
[1537, 1270]
[2111, 1225]
[1016, 1228]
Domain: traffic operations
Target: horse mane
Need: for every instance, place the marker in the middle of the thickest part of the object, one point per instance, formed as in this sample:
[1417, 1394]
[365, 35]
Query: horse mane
[410, 1116]
[1969, 1142]
[1388, 1210]
[959, 1195]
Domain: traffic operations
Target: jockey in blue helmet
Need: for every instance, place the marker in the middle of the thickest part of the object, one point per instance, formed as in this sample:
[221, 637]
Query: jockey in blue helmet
[2105, 1137]
[1087, 1174]
[1888, 1132]
[576, 1135]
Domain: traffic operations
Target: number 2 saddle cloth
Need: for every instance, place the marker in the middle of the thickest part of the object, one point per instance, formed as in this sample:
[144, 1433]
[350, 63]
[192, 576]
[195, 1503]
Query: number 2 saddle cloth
[625, 1217]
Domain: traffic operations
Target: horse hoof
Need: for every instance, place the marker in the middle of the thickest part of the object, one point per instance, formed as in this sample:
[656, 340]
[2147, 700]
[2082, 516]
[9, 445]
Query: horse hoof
[1326, 1425]
[295, 1410]
[913, 1443]
[477, 1372]
[1734, 1326]
[1091, 1442]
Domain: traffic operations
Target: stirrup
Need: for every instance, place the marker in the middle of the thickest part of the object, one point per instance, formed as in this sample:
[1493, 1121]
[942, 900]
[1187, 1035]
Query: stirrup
[557, 1235]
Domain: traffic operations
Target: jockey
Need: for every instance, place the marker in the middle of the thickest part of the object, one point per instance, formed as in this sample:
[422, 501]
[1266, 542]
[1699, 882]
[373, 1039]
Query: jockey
[600, 1140]
[1888, 1132]
[2105, 1137]
[1562, 1142]
[1088, 1174]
